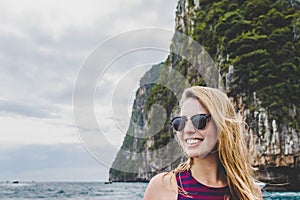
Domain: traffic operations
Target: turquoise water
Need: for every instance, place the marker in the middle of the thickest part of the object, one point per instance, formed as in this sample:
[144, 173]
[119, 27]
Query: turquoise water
[281, 195]
[94, 190]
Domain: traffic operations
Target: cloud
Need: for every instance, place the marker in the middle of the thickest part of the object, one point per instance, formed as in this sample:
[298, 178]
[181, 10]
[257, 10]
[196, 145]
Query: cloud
[55, 17]
[21, 130]
[29, 110]
[42, 47]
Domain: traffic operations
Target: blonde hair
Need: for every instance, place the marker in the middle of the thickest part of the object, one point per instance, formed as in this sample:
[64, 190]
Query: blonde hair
[232, 151]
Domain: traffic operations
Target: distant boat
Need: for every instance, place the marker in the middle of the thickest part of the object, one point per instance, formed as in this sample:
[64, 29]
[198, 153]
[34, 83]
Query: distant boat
[15, 182]
[108, 182]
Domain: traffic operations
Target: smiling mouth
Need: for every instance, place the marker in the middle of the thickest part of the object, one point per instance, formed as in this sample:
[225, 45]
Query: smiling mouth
[194, 140]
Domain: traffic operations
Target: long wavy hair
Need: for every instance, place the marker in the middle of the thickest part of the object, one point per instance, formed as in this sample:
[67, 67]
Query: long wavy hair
[232, 150]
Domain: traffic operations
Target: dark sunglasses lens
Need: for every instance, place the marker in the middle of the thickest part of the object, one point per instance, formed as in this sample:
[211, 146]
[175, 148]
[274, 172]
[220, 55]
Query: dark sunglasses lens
[178, 123]
[199, 121]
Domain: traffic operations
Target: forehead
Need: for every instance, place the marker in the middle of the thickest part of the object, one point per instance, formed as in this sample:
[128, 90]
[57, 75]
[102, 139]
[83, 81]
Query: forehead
[192, 107]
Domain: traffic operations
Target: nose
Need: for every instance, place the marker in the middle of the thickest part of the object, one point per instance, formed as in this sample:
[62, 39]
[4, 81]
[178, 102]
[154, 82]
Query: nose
[189, 127]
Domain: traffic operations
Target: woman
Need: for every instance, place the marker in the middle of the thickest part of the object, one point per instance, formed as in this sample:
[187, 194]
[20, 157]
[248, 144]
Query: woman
[218, 165]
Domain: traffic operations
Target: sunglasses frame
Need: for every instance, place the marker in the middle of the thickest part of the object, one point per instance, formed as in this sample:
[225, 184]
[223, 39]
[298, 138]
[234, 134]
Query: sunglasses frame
[207, 117]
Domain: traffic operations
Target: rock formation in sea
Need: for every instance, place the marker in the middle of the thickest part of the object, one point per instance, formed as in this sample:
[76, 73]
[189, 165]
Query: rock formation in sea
[256, 50]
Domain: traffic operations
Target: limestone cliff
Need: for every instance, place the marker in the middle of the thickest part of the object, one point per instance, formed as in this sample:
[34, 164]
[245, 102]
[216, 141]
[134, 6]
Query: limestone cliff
[256, 48]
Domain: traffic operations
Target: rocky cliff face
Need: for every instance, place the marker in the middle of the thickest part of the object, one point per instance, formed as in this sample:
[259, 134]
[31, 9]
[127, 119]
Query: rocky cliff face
[242, 54]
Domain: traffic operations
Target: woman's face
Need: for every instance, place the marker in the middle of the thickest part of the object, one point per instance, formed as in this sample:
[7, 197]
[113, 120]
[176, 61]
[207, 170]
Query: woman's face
[196, 143]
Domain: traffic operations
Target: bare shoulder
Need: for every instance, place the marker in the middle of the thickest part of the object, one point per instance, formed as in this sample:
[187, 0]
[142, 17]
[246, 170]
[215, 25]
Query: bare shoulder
[162, 186]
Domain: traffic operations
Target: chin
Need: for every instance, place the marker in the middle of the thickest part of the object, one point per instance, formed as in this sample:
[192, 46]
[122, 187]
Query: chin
[197, 154]
[193, 154]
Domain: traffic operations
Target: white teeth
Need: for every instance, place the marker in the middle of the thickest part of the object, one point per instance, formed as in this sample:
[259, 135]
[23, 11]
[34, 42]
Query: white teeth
[193, 141]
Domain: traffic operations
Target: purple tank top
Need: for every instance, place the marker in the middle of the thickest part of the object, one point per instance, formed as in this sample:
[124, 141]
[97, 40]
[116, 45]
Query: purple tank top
[196, 190]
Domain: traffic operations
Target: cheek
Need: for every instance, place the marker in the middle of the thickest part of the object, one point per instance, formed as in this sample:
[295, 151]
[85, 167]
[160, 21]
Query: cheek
[179, 138]
[211, 137]
[213, 131]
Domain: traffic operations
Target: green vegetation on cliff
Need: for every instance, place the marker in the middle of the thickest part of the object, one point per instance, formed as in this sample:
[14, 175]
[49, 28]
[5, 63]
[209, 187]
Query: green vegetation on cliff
[258, 39]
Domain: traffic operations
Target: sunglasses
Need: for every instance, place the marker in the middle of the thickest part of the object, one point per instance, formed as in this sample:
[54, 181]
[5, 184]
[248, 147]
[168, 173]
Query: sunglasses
[199, 121]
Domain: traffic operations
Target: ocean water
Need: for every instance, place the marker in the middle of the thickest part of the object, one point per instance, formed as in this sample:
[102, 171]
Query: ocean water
[94, 190]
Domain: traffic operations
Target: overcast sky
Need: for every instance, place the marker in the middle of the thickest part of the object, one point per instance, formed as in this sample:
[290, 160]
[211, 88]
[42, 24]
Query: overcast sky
[43, 45]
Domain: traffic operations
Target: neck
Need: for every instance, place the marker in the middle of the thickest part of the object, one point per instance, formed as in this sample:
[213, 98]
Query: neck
[208, 171]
